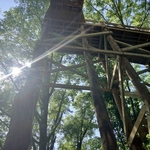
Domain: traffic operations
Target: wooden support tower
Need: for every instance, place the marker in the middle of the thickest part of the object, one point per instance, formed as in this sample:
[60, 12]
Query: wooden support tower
[65, 30]
[65, 23]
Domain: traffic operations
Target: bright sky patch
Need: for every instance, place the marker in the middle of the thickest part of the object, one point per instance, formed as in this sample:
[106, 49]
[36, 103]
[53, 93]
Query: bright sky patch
[16, 71]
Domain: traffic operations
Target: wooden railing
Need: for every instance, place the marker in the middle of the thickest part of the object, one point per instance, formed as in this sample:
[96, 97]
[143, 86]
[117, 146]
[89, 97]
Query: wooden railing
[108, 24]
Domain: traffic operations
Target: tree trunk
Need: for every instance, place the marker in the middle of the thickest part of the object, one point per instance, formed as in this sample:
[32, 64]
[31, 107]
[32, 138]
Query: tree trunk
[19, 135]
[79, 144]
[20, 129]
[106, 131]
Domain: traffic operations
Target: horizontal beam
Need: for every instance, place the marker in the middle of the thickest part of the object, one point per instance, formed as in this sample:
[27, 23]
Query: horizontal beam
[78, 87]
[71, 67]
[96, 50]
[79, 36]
[74, 71]
[132, 94]
[125, 44]
[135, 47]
[110, 24]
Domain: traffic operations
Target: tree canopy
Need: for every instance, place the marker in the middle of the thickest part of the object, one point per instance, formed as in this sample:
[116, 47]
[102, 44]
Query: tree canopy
[64, 118]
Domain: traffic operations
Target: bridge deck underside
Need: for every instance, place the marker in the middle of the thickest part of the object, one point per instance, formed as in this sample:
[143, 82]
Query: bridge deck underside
[65, 18]
[63, 28]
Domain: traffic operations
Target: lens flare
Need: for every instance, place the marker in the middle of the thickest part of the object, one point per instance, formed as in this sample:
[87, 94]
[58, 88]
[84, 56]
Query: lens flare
[16, 71]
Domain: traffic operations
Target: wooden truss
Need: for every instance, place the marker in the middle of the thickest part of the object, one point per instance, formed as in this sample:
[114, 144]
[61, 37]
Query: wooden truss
[124, 44]
[66, 31]
[120, 55]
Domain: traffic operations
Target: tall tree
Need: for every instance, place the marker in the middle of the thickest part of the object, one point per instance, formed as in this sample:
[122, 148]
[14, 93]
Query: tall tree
[19, 30]
[24, 106]
[79, 126]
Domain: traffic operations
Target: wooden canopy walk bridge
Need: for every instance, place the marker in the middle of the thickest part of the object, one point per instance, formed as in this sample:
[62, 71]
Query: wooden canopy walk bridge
[64, 23]
[124, 44]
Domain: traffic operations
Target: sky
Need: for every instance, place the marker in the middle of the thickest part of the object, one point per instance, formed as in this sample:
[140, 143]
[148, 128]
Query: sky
[5, 5]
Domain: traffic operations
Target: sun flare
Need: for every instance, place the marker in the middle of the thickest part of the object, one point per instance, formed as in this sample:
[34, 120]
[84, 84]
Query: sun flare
[16, 71]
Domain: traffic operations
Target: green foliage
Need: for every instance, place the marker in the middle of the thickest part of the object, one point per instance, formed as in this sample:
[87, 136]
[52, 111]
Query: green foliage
[94, 143]
[147, 144]
[69, 114]
[79, 127]
[125, 12]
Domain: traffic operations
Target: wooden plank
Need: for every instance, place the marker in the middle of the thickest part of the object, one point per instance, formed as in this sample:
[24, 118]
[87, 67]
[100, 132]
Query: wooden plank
[148, 117]
[98, 23]
[74, 71]
[114, 72]
[71, 67]
[104, 124]
[79, 36]
[132, 94]
[135, 47]
[139, 72]
[136, 125]
[123, 107]
[141, 49]
[76, 87]
[79, 87]
[140, 87]
[106, 62]
[94, 50]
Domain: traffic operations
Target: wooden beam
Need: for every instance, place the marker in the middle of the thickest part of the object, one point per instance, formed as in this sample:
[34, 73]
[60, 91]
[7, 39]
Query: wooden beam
[106, 62]
[114, 72]
[114, 25]
[79, 36]
[74, 71]
[123, 107]
[139, 72]
[79, 87]
[148, 118]
[135, 47]
[125, 44]
[140, 87]
[96, 50]
[106, 131]
[76, 87]
[71, 67]
[132, 94]
[136, 125]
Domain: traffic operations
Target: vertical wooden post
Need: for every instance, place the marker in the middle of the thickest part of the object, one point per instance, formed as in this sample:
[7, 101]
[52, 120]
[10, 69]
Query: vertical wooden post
[114, 72]
[106, 61]
[148, 118]
[105, 128]
[122, 98]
